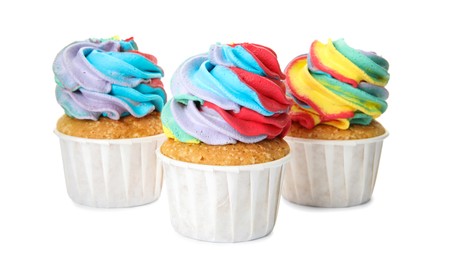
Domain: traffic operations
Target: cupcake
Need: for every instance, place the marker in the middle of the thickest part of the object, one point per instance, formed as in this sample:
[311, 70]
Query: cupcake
[225, 154]
[338, 92]
[112, 96]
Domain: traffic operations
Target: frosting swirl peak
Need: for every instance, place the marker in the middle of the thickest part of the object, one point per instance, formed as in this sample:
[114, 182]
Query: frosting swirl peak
[337, 85]
[107, 77]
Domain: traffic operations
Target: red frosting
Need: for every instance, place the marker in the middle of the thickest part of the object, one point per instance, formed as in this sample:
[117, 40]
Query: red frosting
[251, 123]
[271, 93]
[266, 58]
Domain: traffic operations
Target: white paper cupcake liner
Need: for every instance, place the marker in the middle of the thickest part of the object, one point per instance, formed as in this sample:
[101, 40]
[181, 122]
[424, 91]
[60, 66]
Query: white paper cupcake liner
[324, 173]
[223, 203]
[111, 173]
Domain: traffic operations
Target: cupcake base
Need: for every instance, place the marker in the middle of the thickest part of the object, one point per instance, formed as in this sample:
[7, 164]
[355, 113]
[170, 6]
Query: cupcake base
[112, 173]
[223, 203]
[328, 173]
[105, 128]
[226, 155]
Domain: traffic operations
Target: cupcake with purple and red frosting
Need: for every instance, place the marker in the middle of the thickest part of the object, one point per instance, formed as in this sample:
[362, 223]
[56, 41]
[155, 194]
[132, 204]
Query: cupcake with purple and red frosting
[225, 152]
[112, 96]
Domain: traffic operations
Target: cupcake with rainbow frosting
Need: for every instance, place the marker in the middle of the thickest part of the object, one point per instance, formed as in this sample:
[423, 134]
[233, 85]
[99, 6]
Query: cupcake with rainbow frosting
[112, 95]
[338, 92]
[225, 153]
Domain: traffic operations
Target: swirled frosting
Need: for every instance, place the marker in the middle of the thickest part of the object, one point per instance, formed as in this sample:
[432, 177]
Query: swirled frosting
[337, 85]
[233, 93]
[107, 77]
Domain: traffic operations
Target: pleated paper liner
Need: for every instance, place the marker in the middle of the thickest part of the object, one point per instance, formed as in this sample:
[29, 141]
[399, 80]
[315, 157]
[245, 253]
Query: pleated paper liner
[112, 173]
[330, 173]
[223, 203]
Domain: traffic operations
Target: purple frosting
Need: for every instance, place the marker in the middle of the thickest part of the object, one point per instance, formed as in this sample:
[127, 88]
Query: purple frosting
[107, 78]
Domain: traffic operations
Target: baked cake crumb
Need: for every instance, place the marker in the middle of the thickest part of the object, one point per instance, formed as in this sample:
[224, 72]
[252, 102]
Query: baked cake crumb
[106, 128]
[327, 132]
[226, 155]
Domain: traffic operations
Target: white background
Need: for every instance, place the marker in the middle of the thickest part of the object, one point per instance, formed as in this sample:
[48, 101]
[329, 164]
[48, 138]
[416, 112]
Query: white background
[409, 214]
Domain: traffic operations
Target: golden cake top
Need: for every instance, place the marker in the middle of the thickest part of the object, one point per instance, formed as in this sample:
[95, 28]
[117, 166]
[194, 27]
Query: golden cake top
[327, 132]
[106, 128]
[226, 155]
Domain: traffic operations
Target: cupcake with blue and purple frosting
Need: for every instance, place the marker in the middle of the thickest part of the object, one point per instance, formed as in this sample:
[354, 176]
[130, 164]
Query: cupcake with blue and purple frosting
[225, 150]
[112, 96]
